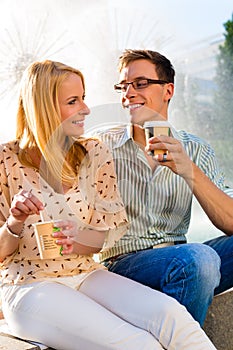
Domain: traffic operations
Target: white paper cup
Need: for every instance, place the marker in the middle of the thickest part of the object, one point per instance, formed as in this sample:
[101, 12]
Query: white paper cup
[46, 243]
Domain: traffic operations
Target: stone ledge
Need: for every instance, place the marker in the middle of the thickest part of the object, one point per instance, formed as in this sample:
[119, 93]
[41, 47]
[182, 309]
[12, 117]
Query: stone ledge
[8, 342]
[219, 321]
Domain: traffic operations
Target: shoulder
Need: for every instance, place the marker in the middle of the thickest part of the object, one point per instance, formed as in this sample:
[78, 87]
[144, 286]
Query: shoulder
[198, 149]
[97, 149]
[111, 132]
[94, 144]
[9, 148]
[188, 137]
[112, 136]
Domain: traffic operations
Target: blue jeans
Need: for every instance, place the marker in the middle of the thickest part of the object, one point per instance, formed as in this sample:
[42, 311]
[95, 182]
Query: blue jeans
[187, 272]
[223, 245]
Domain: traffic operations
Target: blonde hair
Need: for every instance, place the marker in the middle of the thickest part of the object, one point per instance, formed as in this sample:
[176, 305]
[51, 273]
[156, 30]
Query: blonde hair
[39, 120]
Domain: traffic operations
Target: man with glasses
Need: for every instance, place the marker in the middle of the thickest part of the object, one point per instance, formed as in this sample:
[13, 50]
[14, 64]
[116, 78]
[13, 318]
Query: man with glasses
[158, 191]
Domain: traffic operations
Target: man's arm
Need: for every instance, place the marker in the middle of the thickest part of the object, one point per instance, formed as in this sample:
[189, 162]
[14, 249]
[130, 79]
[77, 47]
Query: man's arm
[217, 205]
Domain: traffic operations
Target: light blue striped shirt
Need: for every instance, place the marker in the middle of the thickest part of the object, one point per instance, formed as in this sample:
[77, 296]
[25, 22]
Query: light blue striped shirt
[158, 203]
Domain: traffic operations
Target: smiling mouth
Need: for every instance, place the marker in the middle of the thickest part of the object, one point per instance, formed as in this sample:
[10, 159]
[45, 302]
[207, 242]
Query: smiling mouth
[134, 106]
[77, 122]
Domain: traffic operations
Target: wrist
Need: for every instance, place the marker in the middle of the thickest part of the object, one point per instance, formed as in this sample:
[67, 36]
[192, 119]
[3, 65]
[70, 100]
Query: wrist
[13, 230]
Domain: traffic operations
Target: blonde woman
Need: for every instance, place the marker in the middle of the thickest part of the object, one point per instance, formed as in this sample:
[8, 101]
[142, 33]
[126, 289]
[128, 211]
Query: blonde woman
[49, 172]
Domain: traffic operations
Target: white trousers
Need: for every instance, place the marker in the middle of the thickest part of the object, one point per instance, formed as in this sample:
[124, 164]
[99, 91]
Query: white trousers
[107, 312]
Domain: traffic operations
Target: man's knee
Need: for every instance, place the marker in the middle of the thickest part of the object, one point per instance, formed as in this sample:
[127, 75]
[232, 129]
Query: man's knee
[201, 260]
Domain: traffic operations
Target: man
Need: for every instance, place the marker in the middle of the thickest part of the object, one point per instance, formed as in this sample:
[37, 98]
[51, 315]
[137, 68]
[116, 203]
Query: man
[158, 192]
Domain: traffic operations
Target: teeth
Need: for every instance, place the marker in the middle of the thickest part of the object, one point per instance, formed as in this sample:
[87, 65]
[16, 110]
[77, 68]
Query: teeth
[77, 122]
[134, 106]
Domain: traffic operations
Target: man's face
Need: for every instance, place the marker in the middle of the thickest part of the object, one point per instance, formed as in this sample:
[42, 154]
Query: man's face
[149, 103]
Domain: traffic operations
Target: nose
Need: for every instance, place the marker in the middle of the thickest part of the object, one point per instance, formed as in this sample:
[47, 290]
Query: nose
[128, 94]
[130, 91]
[85, 110]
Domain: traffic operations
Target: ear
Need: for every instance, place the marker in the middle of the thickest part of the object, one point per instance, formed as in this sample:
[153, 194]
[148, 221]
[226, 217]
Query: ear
[168, 91]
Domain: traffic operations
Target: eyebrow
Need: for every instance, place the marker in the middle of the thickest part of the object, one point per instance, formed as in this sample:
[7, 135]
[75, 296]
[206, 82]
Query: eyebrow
[137, 78]
[71, 97]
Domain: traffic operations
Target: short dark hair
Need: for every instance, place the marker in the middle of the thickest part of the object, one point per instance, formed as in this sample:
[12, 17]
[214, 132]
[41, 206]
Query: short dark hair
[163, 66]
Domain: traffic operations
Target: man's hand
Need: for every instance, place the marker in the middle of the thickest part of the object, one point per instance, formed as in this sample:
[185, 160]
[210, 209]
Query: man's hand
[174, 157]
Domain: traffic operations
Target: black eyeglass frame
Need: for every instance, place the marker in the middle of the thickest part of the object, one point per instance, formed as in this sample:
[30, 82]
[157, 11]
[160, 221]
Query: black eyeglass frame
[118, 87]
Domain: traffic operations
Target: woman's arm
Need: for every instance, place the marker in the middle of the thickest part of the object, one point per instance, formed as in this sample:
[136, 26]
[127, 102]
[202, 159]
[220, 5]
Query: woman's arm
[82, 242]
[9, 236]
[24, 204]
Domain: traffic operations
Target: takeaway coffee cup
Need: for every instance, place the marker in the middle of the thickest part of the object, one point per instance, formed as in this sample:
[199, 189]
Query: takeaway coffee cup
[46, 243]
[156, 128]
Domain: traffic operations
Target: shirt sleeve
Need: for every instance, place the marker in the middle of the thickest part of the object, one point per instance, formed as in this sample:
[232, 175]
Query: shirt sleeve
[208, 163]
[101, 191]
[210, 166]
[4, 189]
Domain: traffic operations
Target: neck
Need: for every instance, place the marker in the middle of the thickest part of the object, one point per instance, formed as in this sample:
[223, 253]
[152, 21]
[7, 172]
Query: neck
[41, 165]
[138, 134]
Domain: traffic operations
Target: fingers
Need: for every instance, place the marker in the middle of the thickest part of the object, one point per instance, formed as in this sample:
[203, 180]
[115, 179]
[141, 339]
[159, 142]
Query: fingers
[161, 143]
[66, 245]
[67, 228]
[165, 157]
[65, 241]
[166, 149]
[173, 155]
[64, 224]
[64, 230]
[57, 232]
[25, 202]
[33, 203]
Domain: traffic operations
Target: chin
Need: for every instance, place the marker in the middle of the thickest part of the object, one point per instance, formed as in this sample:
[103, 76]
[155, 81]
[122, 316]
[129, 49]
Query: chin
[138, 118]
[137, 121]
[76, 133]
[141, 115]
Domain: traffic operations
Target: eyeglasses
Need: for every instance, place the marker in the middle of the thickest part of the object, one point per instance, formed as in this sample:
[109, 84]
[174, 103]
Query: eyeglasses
[138, 84]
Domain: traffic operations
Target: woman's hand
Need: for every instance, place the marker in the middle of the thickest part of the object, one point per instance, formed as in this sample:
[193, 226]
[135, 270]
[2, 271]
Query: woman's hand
[24, 204]
[72, 240]
[65, 231]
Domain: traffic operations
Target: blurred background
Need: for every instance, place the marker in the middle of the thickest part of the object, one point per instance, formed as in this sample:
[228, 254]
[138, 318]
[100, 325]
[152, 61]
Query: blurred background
[196, 35]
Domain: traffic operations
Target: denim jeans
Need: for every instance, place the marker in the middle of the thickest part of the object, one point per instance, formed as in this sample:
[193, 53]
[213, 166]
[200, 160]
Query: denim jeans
[187, 272]
[223, 245]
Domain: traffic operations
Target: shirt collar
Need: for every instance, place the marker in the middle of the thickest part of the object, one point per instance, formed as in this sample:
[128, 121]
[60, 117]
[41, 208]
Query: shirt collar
[127, 134]
[175, 133]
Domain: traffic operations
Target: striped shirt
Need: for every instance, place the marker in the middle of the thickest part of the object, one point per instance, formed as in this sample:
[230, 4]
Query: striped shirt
[158, 203]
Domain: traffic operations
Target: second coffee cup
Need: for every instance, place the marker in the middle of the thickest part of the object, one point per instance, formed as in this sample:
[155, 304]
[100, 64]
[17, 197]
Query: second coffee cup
[156, 128]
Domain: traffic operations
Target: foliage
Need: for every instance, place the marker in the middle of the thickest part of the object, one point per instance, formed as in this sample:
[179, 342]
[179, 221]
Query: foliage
[224, 81]
[223, 101]
[205, 107]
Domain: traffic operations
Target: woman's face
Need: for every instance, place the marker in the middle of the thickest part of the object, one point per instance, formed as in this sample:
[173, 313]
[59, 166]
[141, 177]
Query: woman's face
[72, 107]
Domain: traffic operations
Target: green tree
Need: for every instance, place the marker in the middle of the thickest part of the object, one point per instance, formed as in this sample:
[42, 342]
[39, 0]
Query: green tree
[224, 80]
[223, 117]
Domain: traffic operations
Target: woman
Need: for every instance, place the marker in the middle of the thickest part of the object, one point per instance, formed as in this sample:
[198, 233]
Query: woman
[51, 173]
